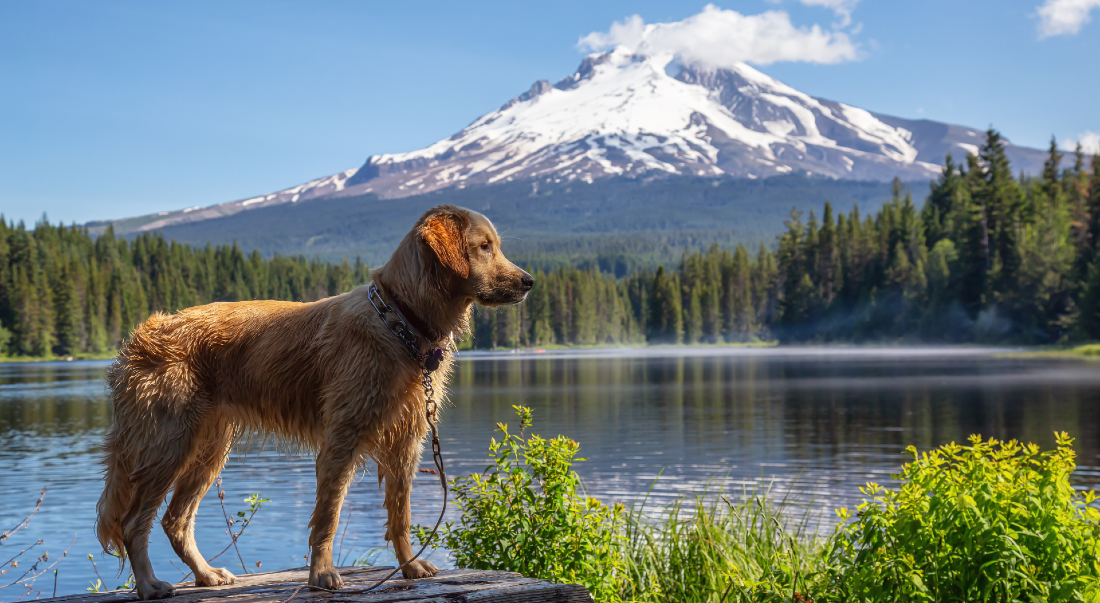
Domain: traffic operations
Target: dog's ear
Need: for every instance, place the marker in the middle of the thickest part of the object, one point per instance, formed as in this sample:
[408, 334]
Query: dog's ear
[445, 233]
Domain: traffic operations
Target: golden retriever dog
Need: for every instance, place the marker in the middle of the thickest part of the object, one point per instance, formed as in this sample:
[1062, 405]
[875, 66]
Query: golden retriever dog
[329, 375]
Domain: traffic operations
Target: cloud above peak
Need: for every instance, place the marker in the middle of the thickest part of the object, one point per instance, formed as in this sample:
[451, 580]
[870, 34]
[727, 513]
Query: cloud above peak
[1064, 17]
[718, 38]
[842, 8]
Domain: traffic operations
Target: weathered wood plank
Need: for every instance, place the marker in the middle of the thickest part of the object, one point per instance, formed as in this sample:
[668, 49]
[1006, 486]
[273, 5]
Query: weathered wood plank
[449, 586]
[538, 592]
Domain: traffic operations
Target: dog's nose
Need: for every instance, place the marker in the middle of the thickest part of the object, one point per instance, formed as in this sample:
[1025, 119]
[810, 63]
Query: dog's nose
[527, 281]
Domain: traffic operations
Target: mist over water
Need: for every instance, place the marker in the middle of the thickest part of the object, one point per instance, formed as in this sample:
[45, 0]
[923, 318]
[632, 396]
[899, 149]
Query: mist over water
[813, 424]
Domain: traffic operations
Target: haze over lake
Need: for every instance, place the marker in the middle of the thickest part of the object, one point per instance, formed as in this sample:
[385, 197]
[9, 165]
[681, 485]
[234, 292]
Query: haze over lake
[812, 423]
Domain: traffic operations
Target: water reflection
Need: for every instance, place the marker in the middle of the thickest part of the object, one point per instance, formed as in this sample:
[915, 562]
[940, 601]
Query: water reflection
[815, 423]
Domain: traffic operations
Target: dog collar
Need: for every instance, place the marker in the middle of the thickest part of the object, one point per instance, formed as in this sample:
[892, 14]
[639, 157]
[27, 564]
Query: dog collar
[414, 321]
[401, 329]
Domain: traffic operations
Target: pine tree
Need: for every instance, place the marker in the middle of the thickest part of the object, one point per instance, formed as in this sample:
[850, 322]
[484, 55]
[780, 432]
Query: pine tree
[693, 317]
[1000, 197]
[827, 260]
[794, 302]
[972, 228]
[939, 208]
[765, 287]
[740, 307]
[69, 315]
[1089, 321]
[1092, 242]
[538, 307]
[1044, 277]
[665, 324]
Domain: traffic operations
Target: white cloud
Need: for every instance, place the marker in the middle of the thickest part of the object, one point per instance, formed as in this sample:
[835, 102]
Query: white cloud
[720, 38]
[1064, 17]
[843, 8]
[1090, 142]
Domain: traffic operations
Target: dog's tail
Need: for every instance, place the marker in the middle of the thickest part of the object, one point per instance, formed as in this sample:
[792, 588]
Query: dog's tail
[118, 465]
[115, 500]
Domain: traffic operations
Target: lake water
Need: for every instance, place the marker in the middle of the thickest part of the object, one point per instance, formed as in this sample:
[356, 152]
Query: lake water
[814, 424]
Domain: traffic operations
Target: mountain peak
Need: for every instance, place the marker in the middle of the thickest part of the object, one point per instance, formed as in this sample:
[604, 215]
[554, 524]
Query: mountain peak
[622, 113]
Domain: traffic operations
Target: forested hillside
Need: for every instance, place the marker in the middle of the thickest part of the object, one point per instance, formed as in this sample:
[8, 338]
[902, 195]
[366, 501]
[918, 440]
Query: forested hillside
[63, 292]
[990, 256]
[619, 224]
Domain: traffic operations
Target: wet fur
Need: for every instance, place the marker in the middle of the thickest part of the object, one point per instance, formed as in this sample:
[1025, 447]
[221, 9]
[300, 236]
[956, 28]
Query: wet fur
[326, 375]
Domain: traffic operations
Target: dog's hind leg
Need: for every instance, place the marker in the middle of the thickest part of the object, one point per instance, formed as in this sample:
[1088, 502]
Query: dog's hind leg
[191, 485]
[397, 466]
[164, 453]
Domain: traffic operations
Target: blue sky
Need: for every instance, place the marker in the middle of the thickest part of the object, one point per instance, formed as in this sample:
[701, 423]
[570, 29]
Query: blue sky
[113, 109]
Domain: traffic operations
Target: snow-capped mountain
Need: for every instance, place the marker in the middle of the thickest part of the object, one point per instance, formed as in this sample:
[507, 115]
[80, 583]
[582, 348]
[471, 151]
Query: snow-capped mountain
[626, 114]
[622, 114]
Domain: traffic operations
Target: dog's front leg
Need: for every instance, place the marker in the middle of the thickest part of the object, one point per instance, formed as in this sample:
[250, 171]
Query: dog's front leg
[335, 469]
[398, 467]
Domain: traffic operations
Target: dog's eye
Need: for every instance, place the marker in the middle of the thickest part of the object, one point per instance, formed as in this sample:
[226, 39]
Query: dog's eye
[485, 246]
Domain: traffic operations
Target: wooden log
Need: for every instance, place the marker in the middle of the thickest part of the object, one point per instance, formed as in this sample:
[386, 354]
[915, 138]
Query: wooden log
[449, 586]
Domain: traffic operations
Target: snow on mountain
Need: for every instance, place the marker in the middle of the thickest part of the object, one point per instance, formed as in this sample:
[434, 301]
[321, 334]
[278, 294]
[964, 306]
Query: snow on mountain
[328, 185]
[627, 114]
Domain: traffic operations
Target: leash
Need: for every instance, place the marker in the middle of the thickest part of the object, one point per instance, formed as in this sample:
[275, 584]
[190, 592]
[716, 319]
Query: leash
[428, 363]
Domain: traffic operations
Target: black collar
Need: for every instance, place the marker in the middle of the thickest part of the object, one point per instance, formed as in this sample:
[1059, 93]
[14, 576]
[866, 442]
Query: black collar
[415, 321]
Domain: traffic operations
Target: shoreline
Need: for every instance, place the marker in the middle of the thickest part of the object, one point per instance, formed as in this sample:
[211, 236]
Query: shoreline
[1089, 352]
[74, 358]
[1085, 352]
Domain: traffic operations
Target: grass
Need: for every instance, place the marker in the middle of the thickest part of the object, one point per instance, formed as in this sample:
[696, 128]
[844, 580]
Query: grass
[709, 548]
[1089, 351]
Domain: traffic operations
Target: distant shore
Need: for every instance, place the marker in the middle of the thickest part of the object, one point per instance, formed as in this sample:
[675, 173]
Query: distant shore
[1086, 352]
[462, 350]
[1089, 351]
[73, 358]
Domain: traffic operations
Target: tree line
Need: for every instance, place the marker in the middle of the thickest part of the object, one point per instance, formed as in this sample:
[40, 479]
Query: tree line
[64, 292]
[990, 256]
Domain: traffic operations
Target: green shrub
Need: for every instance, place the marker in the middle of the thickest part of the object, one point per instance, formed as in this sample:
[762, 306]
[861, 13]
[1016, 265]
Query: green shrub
[993, 521]
[524, 514]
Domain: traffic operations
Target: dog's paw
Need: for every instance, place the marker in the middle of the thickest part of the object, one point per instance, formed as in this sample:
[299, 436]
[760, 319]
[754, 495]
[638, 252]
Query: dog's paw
[421, 568]
[154, 589]
[217, 576]
[326, 578]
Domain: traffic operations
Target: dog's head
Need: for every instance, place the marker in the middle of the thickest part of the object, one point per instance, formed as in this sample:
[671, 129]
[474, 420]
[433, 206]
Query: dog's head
[467, 247]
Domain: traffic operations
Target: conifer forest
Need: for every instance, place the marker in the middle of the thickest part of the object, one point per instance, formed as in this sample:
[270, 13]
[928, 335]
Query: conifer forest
[990, 256]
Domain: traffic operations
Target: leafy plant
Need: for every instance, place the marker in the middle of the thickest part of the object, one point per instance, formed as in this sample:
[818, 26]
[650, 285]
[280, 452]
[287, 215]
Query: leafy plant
[992, 521]
[524, 513]
[129, 584]
[98, 586]
[255, 503]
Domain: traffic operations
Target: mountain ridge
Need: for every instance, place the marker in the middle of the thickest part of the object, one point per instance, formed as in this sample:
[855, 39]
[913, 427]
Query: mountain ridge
[621, 114]
[620, 223]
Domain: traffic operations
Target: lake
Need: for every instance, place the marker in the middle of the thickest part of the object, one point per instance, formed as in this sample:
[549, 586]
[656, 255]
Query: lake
[812, 424]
